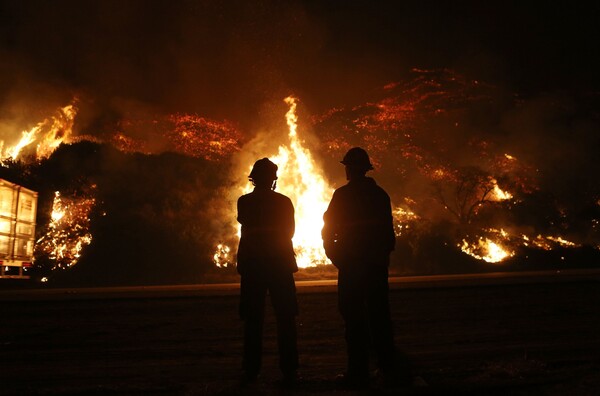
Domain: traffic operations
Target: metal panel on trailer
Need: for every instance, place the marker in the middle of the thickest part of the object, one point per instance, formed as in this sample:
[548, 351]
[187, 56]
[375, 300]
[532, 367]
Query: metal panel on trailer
[18, 206]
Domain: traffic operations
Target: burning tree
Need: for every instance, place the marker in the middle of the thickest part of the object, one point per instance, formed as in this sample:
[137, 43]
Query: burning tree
[439, 143]
[67, 234]
[464, 191]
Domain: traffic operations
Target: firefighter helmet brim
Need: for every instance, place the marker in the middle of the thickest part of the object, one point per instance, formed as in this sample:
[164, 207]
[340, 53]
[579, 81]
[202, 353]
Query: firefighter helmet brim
[358, 158]
[263, 169]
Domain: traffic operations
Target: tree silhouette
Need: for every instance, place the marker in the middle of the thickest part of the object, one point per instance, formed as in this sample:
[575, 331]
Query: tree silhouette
[464, 191]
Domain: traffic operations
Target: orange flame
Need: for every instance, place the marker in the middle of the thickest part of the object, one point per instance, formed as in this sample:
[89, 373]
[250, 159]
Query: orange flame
[302, 181]
[203, 138]
[500, 244]
[403, 219]
[498, 194]
[305, 185]
[487, 250]
[48, 134]
[68, 231]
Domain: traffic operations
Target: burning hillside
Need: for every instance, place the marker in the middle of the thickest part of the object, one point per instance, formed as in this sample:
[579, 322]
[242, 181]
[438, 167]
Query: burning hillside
[444, 158]
[466, 196]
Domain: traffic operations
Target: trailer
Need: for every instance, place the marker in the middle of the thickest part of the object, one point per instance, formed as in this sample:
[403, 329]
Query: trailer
[18, 209]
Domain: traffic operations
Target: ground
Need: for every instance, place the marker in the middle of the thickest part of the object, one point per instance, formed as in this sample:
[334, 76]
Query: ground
[512, 338]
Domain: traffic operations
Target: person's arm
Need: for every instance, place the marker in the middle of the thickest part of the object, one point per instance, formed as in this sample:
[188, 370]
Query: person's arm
[329, 231]
[291, 221]
[391, 235]
[240, 211]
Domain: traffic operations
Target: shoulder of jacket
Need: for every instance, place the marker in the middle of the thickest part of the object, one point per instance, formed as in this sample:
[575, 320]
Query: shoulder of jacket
[281, 197]
[342, 189]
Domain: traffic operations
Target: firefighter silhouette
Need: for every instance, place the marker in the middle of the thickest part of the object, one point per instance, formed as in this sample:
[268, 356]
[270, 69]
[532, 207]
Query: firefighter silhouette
[266, 263]
[358, 237]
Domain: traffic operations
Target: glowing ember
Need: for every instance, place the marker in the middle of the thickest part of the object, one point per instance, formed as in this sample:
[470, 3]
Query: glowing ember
[403, 218]
[499, 244]
[187, 134]
[561, 241]
[68, 231]
[221, 257]
[486, 249]
[127, 144]
[48, 134]
[202, 138]
[548, 242]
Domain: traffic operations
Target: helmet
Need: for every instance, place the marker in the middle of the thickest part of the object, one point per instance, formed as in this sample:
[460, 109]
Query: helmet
[263, 169]
[357, 157]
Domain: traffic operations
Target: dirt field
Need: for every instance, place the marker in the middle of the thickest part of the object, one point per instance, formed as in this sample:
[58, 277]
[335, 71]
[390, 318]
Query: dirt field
[516, 339]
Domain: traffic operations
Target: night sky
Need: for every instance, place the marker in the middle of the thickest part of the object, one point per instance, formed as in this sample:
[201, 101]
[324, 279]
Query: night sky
[226, 59]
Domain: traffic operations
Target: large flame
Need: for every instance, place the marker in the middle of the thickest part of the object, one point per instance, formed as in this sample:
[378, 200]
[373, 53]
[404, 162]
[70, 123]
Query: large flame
[300, 179]
[305, 185]
[48, 134]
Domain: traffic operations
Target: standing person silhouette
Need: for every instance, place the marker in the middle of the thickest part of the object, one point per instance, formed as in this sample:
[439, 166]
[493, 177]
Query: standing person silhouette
[358, 237]
[266, 263]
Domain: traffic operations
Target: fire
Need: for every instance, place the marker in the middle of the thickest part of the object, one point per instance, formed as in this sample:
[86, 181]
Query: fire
[187, 134]
[304, 184]
[68, 231]
[403, 219]
[27, 138]
[201, 137]
[498, 194]
[561, 241]
[48, 134]
[548, 242]
[302, 181]
[127, 144]
[499, 244]
[222, 255]
[487, 250]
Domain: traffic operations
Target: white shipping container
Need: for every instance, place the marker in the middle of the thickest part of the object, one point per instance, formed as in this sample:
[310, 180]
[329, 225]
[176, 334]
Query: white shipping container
[18, 206]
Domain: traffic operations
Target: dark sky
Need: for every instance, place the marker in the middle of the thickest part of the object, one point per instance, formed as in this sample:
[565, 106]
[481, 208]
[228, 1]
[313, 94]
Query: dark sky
[225, 59]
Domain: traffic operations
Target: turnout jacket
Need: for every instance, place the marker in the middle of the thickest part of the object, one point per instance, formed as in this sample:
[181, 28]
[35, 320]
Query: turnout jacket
[268, 225]
[358, 225]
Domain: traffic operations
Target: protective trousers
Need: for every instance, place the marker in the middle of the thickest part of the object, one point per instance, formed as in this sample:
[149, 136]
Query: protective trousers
[363, 295]
[282, 291]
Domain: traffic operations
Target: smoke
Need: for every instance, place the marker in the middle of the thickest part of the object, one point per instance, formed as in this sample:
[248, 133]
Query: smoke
[224, 60]
[221, 60]
[556, 133]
